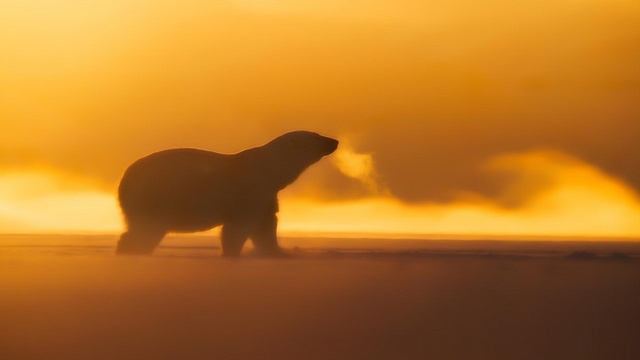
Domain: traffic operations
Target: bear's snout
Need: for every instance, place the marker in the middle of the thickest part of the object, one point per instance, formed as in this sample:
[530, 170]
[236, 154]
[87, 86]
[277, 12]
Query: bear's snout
[330, 145]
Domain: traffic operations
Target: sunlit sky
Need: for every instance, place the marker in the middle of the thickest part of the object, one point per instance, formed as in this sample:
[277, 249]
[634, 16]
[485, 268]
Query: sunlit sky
[455, 117]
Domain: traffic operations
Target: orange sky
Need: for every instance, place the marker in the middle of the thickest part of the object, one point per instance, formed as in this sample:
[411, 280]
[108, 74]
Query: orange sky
[494, 117]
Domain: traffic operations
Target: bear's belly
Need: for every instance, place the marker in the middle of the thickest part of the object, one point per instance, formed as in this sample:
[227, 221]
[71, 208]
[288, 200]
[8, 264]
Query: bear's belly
[196, 218]
[193, 225]
[178, 216]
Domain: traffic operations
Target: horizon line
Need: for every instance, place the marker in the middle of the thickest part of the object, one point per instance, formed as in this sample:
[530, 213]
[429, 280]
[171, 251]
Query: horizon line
[372, 236]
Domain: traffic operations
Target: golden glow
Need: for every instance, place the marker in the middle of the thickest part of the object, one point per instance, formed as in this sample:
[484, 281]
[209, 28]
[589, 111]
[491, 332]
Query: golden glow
[44, 201]
[576, 199]
[429, 89]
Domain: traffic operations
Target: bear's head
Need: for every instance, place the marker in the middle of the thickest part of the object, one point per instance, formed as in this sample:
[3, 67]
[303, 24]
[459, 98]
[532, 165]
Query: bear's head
[293, 152]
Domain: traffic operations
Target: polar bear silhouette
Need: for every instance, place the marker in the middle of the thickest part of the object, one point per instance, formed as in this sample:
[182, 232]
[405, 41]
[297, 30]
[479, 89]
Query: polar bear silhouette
[187, 190]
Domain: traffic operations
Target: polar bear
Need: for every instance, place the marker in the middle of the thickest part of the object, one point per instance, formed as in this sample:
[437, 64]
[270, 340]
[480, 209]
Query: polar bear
[187, 190]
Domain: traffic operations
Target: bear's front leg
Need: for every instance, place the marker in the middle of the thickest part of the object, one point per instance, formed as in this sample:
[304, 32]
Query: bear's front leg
[265, 237]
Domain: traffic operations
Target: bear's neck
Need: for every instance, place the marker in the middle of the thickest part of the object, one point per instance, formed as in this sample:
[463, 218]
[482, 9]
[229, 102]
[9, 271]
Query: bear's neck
[271, 172]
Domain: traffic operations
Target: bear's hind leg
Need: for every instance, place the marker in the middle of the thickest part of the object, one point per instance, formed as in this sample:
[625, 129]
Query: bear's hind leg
[139, 241]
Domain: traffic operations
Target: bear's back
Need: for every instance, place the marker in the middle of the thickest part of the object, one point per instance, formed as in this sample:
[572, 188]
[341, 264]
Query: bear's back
[177, 179]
